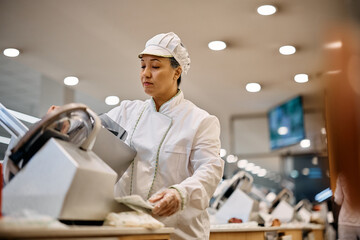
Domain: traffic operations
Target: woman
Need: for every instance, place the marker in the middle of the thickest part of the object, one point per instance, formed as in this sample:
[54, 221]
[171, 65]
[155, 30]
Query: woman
[177, 166]
[349, 215]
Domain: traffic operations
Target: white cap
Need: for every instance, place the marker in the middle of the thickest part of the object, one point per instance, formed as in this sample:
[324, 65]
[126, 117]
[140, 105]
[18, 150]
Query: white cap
[168, 45]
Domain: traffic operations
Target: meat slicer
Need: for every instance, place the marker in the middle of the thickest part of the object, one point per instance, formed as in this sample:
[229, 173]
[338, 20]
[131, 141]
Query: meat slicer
[54, 170]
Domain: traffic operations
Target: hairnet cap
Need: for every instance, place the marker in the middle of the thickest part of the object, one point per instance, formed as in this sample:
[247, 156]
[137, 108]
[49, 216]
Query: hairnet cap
[168, 45]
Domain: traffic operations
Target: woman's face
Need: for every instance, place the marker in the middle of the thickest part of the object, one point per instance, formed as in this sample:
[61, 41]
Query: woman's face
[158, 77]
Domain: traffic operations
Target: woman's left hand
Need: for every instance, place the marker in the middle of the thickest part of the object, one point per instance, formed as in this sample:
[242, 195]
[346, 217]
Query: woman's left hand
[167, 202]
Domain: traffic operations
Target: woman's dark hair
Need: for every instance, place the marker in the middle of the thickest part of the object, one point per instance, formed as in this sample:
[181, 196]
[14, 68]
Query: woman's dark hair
[175, 64]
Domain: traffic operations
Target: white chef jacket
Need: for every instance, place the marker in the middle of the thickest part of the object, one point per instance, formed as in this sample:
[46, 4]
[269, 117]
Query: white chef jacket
[176, 147]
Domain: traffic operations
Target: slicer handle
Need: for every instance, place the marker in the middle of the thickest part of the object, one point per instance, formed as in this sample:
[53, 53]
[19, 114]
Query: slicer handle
[90, 140]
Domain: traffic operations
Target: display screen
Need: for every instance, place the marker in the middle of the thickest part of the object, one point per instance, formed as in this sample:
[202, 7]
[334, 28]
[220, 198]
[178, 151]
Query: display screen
[286, 123]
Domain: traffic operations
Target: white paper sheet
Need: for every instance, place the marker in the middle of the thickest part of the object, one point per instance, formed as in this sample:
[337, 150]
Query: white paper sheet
[135, 202]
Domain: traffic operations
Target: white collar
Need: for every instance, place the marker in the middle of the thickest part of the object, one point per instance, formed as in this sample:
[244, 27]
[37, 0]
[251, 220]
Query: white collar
[170, 104]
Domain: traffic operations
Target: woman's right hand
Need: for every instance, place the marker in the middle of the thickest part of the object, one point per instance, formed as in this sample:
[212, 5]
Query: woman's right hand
[166, 202]
[52, 108]
[64, 126]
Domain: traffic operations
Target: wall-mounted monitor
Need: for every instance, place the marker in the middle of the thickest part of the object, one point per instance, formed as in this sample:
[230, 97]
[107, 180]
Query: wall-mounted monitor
[286, 123]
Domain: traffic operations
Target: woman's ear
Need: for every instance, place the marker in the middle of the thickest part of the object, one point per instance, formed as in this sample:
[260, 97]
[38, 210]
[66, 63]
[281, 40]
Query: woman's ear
[178, 72]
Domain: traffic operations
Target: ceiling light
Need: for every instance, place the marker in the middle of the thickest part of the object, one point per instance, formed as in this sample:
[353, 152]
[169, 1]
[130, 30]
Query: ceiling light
[301, 78]
[266, 10]
[253, 87]
[249, 166]
[217, 45]
[112, 100]
[222, 152]
[71, 81]
[11, 52]
[305, 143]
[287, 50]
[255, 170]
[262, 172]
[231, 159]
[242, 163]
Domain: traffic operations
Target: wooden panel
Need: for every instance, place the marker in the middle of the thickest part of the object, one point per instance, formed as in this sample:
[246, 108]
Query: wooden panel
[237, 235]
[318, 234]
[295, 234]
[227, 236]
[255, 235]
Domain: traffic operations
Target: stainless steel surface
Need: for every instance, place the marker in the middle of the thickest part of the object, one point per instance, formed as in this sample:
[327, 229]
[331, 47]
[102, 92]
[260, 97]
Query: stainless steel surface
[113, 151]
[11, 124]
[64, 182]
[241, 180]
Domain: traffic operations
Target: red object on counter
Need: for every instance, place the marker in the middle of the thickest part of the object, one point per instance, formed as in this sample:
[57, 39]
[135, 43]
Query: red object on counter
[235, 220]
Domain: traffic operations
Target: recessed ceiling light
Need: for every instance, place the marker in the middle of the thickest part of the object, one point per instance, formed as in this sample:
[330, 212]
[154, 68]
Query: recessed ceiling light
[217, 45]
[253, 87]
[231, 158]
[242, 163]
[112, 100]
[71, 81]
[11, 52]
[255, 170]
[266, 10]
[305, 143]
[301, 78]
[262, 172]
[287, 50]
[249, 167]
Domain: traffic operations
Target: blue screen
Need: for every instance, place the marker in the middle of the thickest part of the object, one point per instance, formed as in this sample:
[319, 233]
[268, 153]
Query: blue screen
[286, 123]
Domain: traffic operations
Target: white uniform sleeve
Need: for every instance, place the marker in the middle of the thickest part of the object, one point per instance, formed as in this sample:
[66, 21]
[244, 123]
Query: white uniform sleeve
[116, 113]
[123, 113]
[208, 166]
[339, 195]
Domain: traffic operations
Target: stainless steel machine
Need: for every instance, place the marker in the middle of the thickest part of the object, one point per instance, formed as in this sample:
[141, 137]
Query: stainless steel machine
[55, 171]
[241, 180]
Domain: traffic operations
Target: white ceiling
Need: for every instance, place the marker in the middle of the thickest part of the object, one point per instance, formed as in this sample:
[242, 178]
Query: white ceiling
[98, 41]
